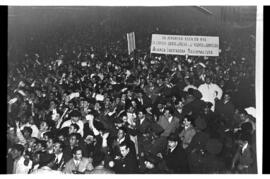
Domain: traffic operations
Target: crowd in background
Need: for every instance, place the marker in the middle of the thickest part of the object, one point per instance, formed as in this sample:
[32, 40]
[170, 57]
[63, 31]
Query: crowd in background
[79, 104]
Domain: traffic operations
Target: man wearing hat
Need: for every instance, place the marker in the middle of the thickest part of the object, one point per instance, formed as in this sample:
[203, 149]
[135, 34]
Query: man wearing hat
[175, 157]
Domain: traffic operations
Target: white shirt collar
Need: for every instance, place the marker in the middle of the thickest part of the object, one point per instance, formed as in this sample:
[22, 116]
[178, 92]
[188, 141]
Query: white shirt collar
[59, 156]
[244, 147]
[141, 120]
[121, 140]
[170, 119]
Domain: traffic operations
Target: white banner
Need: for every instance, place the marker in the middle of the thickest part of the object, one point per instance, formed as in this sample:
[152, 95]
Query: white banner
[185, 45]
[131, 42]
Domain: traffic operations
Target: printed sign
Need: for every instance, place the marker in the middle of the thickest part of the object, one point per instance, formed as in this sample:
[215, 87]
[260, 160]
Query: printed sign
[185, 45]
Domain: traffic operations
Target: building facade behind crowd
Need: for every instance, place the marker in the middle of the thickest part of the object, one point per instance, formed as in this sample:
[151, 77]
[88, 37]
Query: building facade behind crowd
[87, 109]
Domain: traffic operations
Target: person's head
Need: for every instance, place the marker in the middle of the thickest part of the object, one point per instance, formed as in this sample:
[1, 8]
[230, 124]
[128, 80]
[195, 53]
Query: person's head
[52, 104]
[77, 153]
[44, 126]
[121, 133]
[71, 105]
[98, 159]
[124, 149]
[179, 104]
[141, 114]
[129, 94]
[89, 139]
[187, 121]
[208, 80]
[168, 112]
[243, 114]
[32, 142]
[48, 135]
[61, 137]
[74, 139]
[58, 147]
[17, 151]
[226, 97]
[131, 109]
[75, 115]
[73, 128]
[160, 106]
[40, 145]
[27, 132]
[50, 143]
[173, 141]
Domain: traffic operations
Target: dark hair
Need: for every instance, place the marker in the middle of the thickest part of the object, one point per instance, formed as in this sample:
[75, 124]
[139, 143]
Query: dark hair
[98, 158]
[75, 113]
[142, 110]
[75, 149]
[124, 129]
[173, 137]
[77, 135]
[45, 159]
[49, 134]
[28, 129]
[42, 142]
[125, 143]
[169, 109]
[62, 145]
[76, 126]
[19, 148]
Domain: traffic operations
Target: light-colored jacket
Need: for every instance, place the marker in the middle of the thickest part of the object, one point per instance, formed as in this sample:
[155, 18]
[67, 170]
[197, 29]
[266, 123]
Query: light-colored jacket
[85, 164]
[210, 92]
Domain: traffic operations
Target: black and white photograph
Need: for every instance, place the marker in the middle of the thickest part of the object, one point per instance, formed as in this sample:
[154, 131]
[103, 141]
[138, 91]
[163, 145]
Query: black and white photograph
[132, 90]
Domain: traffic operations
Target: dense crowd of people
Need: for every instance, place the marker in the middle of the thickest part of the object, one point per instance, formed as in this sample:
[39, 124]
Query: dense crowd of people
[86, 107]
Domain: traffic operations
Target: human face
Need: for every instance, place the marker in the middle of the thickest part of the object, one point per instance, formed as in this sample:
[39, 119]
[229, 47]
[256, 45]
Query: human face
[172, 144]
[124, 118]
[242, 117]
[26, 134]
[140, 115]
[43, 126]
[120, 134]
[56, 148]
[124, 151]
[72, 129]
[207, 80]
[75, 119]
[186, 123]
[49, 144]
[73, 141]
[167, 114]
[61, 138]
[78, 155]
[15, 154]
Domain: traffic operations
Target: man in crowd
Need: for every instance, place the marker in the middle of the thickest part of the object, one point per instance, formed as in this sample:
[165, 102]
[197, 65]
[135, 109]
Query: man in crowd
[210, 92]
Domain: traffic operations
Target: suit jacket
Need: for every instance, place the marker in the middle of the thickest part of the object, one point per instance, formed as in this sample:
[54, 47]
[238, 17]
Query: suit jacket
[177, 160]
[127, 165]
[168, 127]
[226, 111]
[85, 164]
